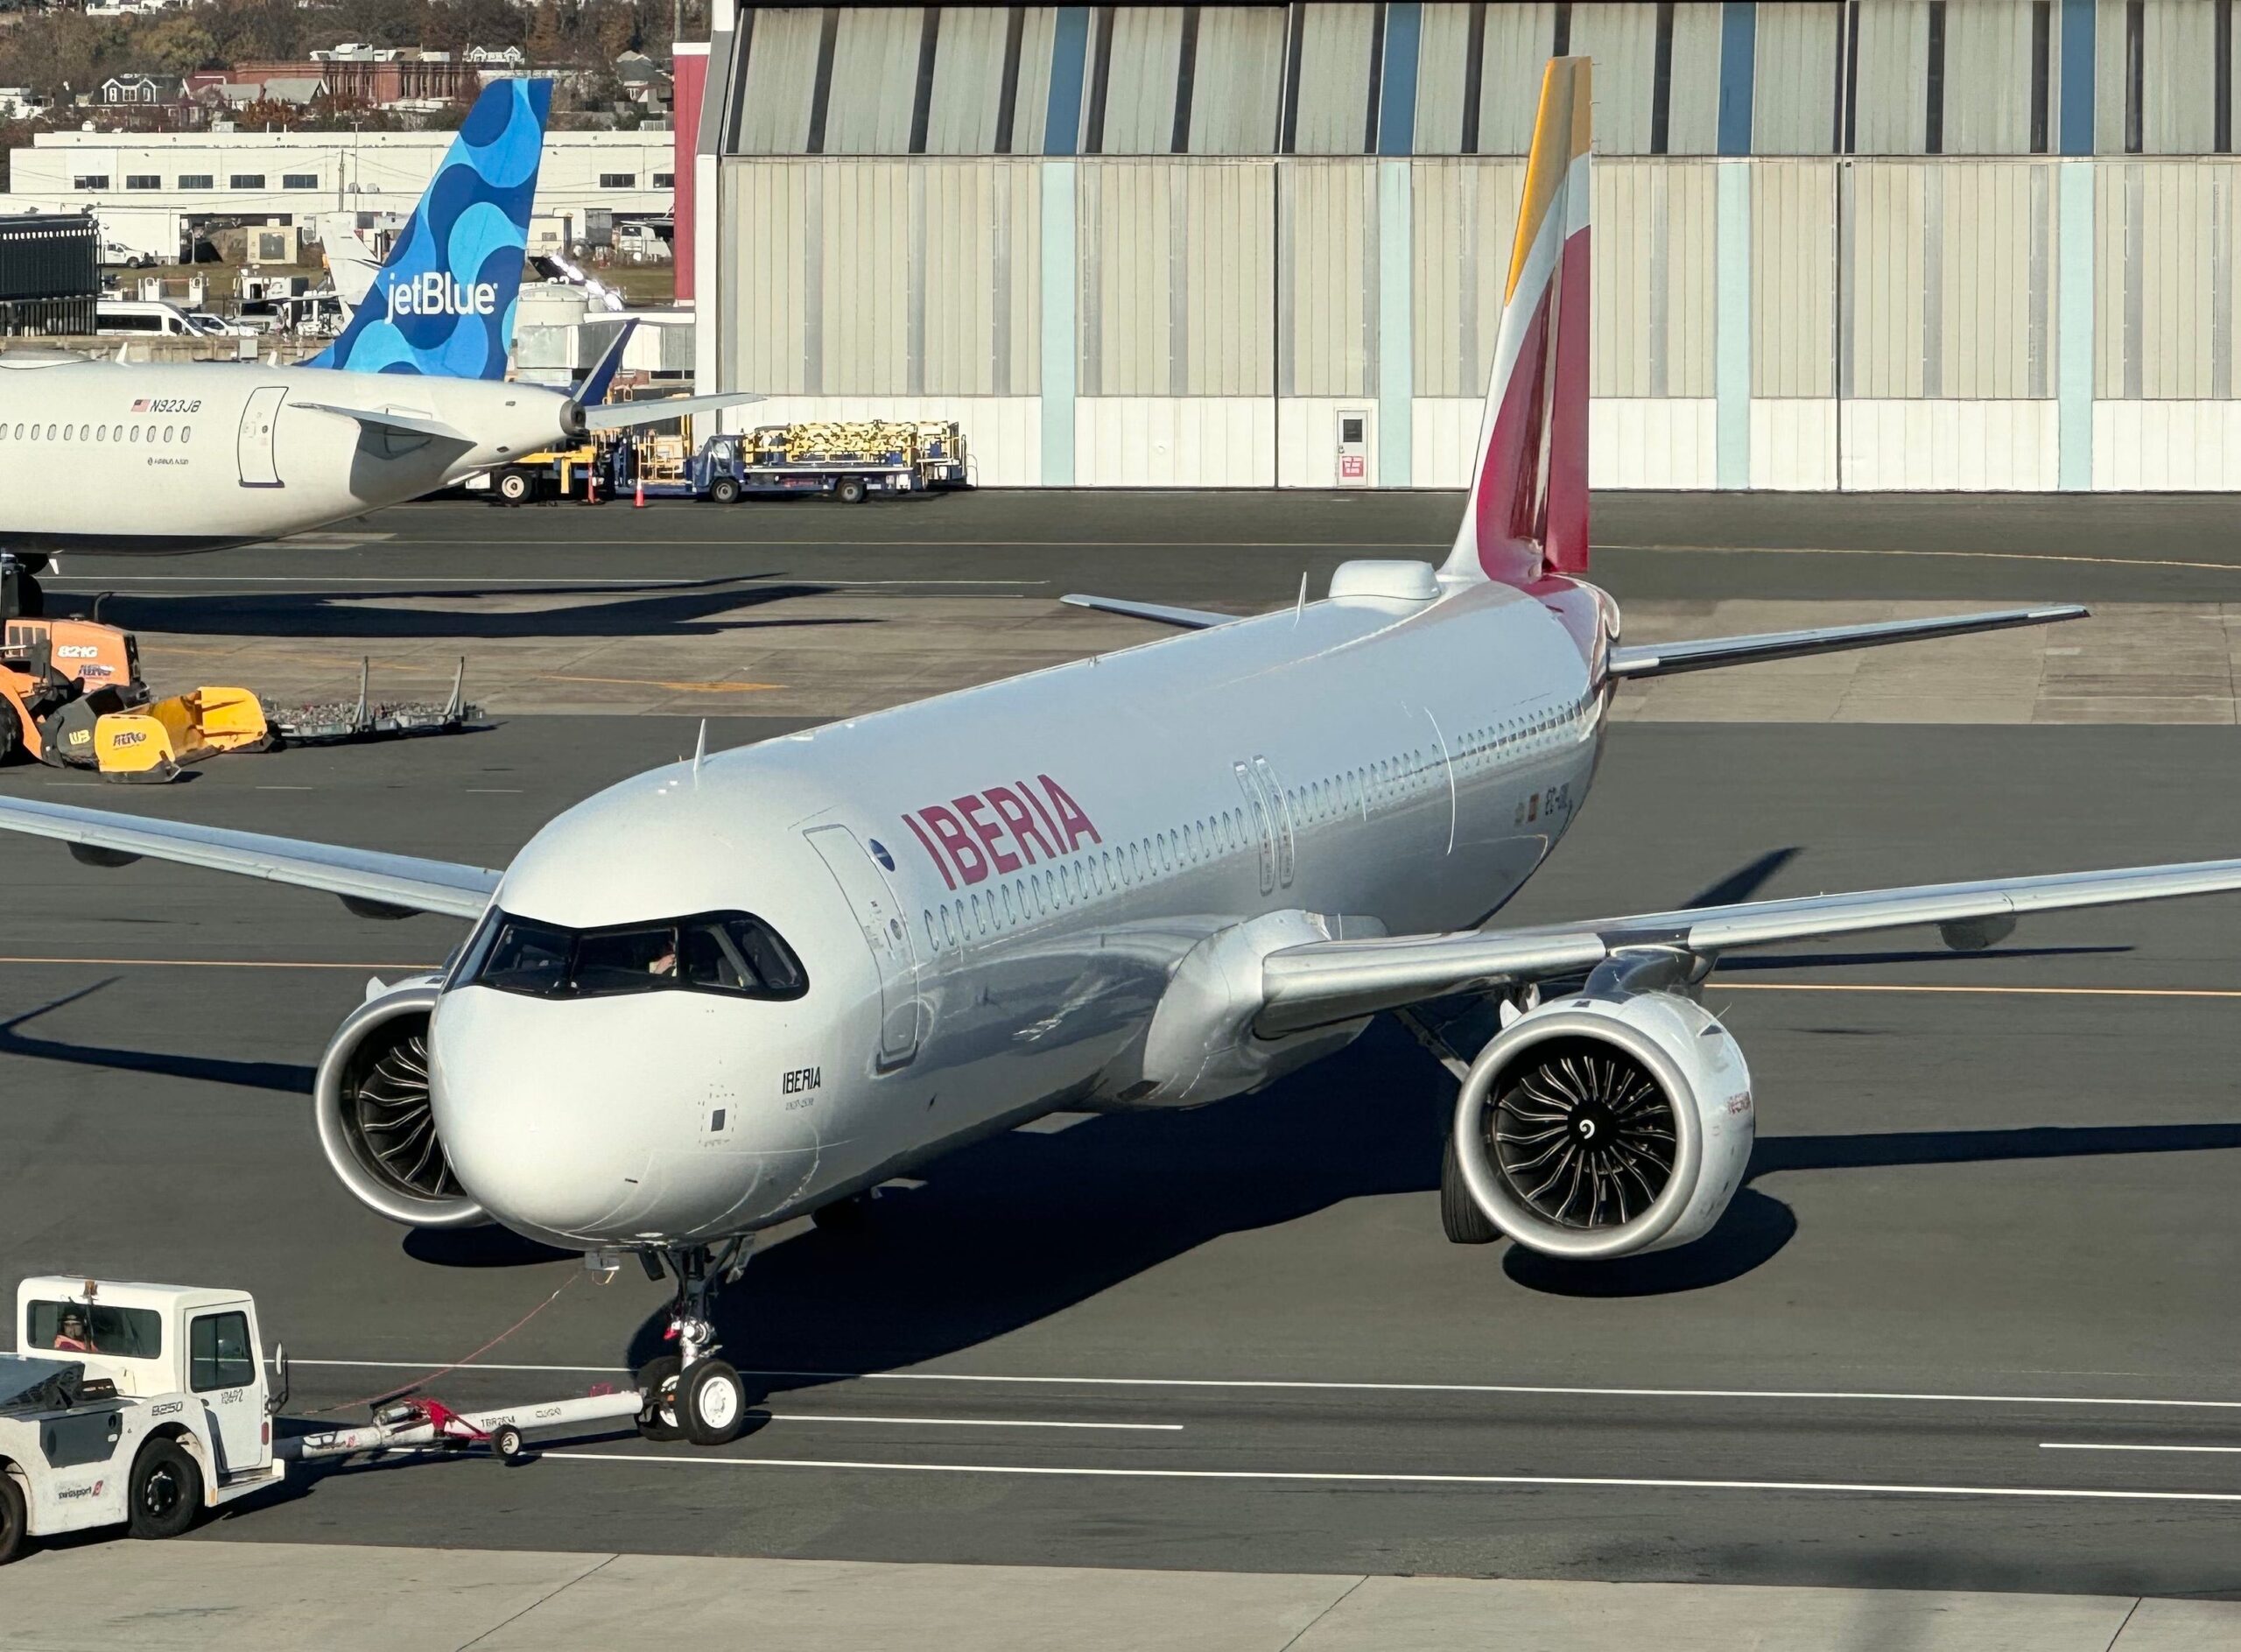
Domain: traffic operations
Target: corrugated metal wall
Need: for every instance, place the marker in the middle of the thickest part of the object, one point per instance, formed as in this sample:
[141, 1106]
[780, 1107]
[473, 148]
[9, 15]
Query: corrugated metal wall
[1327, 278]
[964, 112]
[1655, 254]
[1892, 100]
[2164, 259]
[1795, 77]
[1335, 60]
[882, 278]
[1237, 96]
[769, 114]
[1175, 262]
[1465, 221]
[1138, 116]
[1792, 279]
[1988, 78]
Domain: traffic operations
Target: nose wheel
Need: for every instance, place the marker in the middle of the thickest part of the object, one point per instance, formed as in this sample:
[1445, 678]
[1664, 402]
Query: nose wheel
[692, 1395]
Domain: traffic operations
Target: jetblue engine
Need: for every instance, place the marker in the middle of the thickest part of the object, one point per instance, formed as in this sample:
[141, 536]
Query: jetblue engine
[376, 1121]
[1606, 1124]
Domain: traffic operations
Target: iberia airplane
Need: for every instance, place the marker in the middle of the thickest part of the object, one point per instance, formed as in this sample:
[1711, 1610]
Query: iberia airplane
[748, 986]
[413, 396]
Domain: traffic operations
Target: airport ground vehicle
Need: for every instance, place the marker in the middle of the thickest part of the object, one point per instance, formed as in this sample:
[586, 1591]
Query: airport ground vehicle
[845, 462]
[131, 1405]
[550, 473]
[131, 318]
[71, 695]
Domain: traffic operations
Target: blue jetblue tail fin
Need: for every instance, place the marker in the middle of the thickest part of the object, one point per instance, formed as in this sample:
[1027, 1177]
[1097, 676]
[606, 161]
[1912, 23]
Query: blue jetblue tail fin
[443, 303]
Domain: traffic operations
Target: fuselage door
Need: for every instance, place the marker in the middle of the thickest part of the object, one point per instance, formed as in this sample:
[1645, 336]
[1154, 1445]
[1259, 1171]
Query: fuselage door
[260, 419]
[1263, 819]
[1280, 807]
[879, 915]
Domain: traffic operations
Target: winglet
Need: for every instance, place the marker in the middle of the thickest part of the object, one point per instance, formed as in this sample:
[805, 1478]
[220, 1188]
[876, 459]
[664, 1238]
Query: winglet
[1527, 515]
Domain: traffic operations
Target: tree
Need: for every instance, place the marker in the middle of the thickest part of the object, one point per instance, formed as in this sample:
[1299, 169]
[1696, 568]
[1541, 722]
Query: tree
[178, 44]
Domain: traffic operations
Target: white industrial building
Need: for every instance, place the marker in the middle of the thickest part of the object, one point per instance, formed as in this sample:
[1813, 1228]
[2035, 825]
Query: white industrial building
[1866, 244]
[294, 175]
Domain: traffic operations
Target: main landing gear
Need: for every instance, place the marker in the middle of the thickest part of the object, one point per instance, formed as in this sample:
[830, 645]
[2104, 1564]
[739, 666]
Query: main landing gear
[691, 1393]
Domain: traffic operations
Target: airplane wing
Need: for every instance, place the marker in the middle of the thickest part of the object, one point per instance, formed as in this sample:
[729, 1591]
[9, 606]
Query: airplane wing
[622, 415]
[1187, 619]
[1327, 981]
[1664, 660]
[372, 885]
[389, 418]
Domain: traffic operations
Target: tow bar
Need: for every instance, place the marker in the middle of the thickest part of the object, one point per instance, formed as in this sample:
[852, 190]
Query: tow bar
[418, 1425]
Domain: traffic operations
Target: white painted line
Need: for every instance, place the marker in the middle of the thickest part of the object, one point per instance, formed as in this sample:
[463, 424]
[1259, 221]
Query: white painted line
[973, 1421]
[1510, 1388]
[1357, 1387]
[2086, 1445]
[1334, 1478]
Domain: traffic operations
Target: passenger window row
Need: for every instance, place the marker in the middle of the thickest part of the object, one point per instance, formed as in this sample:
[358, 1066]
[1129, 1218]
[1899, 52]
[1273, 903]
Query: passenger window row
[1037, 893]
[141, 433]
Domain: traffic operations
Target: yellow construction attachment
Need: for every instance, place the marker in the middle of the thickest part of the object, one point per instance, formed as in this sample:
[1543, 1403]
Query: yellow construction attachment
[150, 741]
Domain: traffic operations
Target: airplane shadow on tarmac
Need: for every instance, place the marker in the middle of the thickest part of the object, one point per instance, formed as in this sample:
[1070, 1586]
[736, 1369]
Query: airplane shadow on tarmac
[667, 611]
[1010, 1231]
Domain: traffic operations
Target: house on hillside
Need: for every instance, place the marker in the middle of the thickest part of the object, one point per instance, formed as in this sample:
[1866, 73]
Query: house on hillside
[643, 81]
[142, 91]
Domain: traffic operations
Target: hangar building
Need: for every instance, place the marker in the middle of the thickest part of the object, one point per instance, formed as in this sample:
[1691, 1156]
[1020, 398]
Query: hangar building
[1856, 244]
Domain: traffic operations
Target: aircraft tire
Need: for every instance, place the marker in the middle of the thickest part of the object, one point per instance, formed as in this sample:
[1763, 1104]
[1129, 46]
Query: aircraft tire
[1460, 1218]
[165, 1494]
[712, 1403]
[657, 1377]
[12, 1518]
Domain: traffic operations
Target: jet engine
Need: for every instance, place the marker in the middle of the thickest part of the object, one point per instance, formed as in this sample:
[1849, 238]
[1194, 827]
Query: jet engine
[1607, 1123]
[377, 1119]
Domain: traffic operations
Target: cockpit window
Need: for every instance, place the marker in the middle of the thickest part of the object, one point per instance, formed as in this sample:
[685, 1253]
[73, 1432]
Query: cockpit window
[730, 953]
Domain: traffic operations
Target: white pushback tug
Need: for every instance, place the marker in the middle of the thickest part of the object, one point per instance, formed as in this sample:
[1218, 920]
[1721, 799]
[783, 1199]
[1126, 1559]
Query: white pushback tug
[142, 1405]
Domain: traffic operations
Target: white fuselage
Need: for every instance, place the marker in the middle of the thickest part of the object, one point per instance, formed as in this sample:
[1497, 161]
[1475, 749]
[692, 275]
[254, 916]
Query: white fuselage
[176, 456]
[1404, 765]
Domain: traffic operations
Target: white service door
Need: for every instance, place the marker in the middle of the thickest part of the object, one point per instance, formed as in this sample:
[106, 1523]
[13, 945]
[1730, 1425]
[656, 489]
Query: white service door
[886, 931]
[1353, 447]
[260, 418]
[222, 1372]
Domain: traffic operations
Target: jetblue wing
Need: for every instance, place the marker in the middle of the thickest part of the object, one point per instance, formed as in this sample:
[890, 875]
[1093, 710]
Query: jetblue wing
[443, 303]
[1335, 980]
[1664, 660]
[370, 882]
[1186, 619]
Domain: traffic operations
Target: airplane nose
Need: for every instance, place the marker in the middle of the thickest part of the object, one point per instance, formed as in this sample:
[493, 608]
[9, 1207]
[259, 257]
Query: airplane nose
[597, 1121]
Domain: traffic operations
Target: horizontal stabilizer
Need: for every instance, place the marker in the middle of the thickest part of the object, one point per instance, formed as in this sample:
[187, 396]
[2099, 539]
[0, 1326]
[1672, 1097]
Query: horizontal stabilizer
[1186, 619]
[1665, 659]
[390, 418]
[622, 415]
[363, 877]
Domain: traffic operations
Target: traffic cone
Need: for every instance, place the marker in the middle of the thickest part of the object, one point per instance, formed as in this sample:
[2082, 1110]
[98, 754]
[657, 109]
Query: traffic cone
[640, 500]
[591, 485]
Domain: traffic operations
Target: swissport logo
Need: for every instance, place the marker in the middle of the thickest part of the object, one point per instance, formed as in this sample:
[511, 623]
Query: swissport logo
[434, 292]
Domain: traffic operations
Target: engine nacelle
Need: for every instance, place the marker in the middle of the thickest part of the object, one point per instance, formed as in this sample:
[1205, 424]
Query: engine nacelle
[1606, 1124]
[375, 1120]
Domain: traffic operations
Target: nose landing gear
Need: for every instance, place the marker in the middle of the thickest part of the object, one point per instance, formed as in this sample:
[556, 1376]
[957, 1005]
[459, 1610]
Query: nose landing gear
[692, 1394]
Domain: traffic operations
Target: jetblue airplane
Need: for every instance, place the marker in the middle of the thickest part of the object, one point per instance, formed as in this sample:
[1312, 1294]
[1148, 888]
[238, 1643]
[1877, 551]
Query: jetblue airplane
[189, 456]
[745, 988]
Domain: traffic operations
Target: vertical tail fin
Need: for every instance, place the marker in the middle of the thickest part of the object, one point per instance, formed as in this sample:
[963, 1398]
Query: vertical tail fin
[443, 303]
[1527, 515]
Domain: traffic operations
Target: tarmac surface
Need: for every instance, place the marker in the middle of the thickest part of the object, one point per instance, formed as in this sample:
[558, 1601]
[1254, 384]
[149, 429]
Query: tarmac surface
[1969, 1325]
[807, 609]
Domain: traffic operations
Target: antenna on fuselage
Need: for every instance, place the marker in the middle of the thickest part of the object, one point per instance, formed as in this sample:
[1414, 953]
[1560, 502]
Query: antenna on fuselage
[700, 749]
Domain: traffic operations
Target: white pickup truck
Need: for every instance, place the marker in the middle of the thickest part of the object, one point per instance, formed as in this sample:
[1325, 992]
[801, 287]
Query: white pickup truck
[131, 1403]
